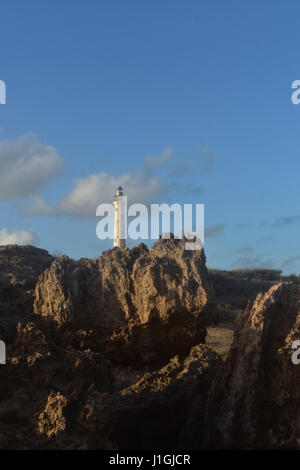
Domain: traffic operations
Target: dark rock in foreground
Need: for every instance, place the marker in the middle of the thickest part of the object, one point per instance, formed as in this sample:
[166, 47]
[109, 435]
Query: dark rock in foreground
[152, 412]
[234, 288]
[57, 397]
[20, 267]
[92, 342]
[254, 400]
[107, 353]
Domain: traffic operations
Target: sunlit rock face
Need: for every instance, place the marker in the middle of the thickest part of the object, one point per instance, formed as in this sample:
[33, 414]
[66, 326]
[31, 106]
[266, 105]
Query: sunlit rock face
[157, 301]
[104, 340]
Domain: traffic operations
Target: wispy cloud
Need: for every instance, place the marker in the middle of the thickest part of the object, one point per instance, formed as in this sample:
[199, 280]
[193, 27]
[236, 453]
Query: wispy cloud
[264, 239]
[18, 237]
[243, 225]
[290, 261]
[255, 261]
[279, 222]
[25, 166]
[180, 187]
[201, 163]
[288, 220]
[214, 230]
[141, 186]
[245, 250]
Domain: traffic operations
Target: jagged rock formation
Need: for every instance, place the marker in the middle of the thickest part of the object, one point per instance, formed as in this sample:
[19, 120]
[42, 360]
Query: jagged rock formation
[151, 413]
[92, 328]
[51, 393]
[254, 400]
[57, 397]
[20, 267]
[157, 300]
[109, 354]
[234, 288]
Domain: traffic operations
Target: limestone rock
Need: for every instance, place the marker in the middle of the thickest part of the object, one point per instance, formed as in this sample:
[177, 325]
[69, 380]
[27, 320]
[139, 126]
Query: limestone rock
[157, 300]
[152, 412]
[254, 401]
[20, 267]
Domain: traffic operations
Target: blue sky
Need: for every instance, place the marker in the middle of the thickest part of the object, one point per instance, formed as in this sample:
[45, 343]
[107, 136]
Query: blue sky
[97, 87]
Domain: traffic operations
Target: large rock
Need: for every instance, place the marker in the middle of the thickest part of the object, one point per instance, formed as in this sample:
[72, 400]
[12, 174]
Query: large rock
[93, 363]
[51, 395]
[151, 413]
[156, 300]
[255, 400]
[20, 267]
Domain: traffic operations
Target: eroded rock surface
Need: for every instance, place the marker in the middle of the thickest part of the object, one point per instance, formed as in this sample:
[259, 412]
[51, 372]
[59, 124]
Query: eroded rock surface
[102, 338]
[158, 300]
[108, 354]
[254, 401]
[151, 413]
[20, 267]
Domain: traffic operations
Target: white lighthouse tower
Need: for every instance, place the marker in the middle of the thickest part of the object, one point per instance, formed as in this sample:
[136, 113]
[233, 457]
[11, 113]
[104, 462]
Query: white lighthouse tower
[119, 238]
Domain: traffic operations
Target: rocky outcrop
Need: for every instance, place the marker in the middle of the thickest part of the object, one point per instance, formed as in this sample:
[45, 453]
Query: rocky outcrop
[51, 394]
[56, 397]
[254, 401]
[151, 413]
[234, 288]
[156, 300]
[97, 345]
[20, 267]
[113, 355]
[70, 291]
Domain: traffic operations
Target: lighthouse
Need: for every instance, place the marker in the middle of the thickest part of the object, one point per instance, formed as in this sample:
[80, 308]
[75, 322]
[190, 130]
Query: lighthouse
[120, 230]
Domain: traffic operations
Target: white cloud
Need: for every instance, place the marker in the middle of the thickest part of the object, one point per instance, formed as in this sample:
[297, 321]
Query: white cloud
[140, 186]
[18, 237]
[25, 166]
